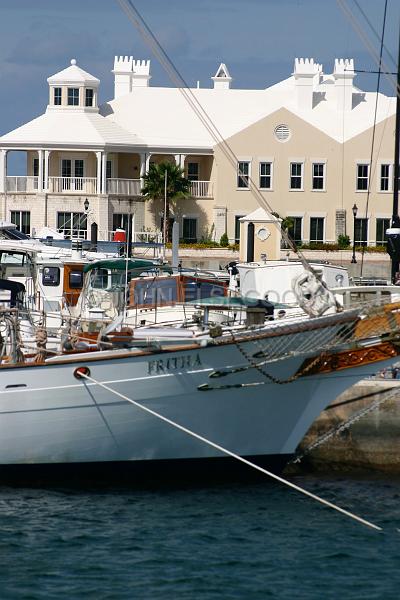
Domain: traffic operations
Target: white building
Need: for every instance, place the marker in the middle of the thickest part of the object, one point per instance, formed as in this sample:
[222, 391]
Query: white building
[305, 143]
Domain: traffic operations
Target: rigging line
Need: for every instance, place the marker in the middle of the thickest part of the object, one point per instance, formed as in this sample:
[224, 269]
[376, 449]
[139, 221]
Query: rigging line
[376, 33]
[374, 129]
[232, 454]
[200, 112]
[358, 29]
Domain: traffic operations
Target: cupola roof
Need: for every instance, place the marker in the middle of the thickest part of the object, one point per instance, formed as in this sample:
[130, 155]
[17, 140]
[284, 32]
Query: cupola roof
[73, 75]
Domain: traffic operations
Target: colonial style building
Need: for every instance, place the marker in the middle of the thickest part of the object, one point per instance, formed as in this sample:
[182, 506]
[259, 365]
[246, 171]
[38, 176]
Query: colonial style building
[304, 143]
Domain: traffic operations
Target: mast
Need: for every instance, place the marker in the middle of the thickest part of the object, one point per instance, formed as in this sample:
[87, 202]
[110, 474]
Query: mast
[393, 234]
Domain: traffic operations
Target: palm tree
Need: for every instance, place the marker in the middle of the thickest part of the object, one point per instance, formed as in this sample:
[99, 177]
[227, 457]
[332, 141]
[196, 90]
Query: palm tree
[154, 186]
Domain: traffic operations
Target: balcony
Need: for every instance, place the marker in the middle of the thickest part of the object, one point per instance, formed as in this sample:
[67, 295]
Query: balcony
[21, 184]
[124, 187]
[72, 185]
[201, 189]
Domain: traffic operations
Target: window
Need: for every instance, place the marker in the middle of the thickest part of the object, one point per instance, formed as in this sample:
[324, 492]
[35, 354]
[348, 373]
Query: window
[78, 171]
[316, 229]
[22, 219]
[72, 224]
[57, 96]
[189, 230]
[108, 169]
[318, 176]
[385, 178]
[88, 97]
[120, 221]
[243, 173]
[295, 229]
[237, 228]
[51, 276]
[36, 172]
[73, 96]
[361, 232]
[75, 280]
[381, 226]
[265, 175]
[362, 178]
[296, 176]
[193, 171]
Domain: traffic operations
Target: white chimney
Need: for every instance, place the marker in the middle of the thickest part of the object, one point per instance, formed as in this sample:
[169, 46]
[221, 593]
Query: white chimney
[343, 74]
[307, 75]
[130, 73]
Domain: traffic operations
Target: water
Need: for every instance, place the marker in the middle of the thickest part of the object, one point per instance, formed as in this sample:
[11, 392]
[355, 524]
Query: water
[252, 541]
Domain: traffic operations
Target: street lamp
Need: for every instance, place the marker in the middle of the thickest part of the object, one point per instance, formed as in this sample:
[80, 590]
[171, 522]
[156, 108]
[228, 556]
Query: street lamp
[86, 205]
[354, 209]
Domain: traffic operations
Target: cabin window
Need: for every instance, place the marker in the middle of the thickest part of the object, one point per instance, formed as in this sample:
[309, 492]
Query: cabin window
[318, 176]
[22, 219]
[57, 96]
[88, 97]
[75, 280]
[73, 96]
[381, 226]
[51, 276]
[243, 174]
[265, 175]
[99, 279]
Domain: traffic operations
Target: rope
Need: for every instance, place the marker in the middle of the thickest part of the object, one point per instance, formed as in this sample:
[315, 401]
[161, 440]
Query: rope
[233, 454]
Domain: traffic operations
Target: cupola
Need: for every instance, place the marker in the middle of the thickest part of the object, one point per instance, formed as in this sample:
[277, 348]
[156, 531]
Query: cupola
[222, 79]
[73, 89]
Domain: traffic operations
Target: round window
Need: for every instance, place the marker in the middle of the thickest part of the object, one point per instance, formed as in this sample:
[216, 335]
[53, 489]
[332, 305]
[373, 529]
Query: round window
[282, 133]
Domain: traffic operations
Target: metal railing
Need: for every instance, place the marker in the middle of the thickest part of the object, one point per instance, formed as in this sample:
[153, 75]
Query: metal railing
[62, 185]
[124, 187]
[201, 189]
[146, 237]
[24, 183]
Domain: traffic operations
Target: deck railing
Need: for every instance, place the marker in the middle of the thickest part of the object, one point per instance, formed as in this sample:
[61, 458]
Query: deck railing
[124, 187]
[21, 183]
[74, 185]
[201, 189]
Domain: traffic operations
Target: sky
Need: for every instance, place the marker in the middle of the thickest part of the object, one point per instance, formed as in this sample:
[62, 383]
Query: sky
[257, 39]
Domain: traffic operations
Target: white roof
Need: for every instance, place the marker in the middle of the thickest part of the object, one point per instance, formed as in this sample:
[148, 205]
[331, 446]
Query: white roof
[71, 128]
[163, 117]
[260, 215]
[73, 74]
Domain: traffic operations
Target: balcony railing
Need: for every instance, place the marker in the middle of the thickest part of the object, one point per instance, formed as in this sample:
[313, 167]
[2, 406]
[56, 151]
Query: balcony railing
[124, 187]
[201, 189]
[21, 183]
[75, 185]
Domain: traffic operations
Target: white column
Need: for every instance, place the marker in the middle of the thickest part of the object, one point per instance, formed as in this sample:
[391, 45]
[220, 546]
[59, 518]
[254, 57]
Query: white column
[142, 172]
[148, 156]
[3, 170]
[46, 169]
[40, 174]
[103, 172]
[98, 173]
[180, 160]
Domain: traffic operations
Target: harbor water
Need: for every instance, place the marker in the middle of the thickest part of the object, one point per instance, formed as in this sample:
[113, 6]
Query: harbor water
[247, 541]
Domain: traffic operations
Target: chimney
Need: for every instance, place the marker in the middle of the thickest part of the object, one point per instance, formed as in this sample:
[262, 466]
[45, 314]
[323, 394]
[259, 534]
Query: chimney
[307, 74]
[222, 80]
[130, 73]
[343, 74]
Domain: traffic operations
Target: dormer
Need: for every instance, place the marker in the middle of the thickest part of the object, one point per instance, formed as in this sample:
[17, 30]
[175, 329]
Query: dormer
[222, 80]
[73, 89]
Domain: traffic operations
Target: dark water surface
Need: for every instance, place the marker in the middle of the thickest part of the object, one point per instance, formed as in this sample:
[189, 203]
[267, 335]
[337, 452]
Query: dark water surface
[256, 540]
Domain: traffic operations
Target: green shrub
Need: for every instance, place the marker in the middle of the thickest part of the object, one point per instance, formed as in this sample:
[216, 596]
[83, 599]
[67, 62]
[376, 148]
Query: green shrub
[343, 241]
[224, 241]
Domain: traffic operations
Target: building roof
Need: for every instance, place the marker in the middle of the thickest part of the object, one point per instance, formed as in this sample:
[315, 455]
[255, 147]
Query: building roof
[73, 74]
[163, 117]
[70, 127]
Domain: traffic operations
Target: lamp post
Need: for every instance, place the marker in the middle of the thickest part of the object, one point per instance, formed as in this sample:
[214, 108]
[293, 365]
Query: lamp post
[354, 209]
